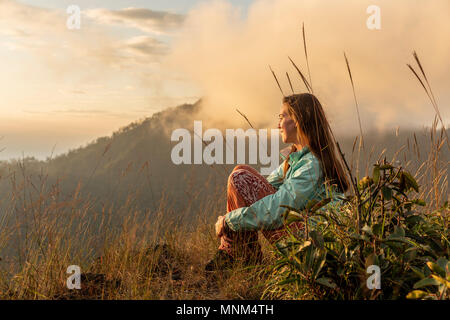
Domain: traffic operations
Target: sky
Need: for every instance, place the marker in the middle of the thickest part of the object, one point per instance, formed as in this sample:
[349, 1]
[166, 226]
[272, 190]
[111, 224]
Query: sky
[62, 88]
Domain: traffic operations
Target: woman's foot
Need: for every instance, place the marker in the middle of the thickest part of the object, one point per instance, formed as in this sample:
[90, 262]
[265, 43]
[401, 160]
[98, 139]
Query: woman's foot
[221, 261]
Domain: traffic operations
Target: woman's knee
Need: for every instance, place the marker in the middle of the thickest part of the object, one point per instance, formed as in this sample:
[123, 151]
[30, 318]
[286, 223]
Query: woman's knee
[233, 175]
[237, 170]
[242, 167]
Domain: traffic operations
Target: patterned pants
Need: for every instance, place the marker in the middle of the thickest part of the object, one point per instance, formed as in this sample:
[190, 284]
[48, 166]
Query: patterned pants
[246, 186]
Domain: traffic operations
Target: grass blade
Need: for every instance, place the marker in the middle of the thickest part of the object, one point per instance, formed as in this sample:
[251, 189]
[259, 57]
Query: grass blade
[290, 83]
[306, 56]
[356, 101]
[245, 117]
[307, 85]
[276, 79]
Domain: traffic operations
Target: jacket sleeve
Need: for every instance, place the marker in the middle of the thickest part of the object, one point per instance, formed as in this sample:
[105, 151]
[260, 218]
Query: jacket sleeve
[276, 177]
[265, 214]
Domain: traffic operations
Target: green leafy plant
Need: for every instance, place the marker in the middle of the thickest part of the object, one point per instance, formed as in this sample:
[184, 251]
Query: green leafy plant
[381, 225]
[435, 275]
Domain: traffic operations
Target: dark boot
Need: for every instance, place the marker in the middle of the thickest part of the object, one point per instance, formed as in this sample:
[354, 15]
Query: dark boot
[254, 259]
[221, 261]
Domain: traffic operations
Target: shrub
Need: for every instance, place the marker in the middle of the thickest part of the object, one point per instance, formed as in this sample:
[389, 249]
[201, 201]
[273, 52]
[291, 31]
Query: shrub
[381, 225]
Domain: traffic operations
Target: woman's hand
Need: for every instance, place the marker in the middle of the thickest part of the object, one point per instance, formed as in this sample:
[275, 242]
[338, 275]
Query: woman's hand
[219, 226]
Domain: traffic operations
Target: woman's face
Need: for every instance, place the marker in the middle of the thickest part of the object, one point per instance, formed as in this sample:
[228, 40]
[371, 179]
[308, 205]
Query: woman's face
[287, 126]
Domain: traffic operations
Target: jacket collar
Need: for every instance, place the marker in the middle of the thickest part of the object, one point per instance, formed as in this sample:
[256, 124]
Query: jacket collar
[294, 157]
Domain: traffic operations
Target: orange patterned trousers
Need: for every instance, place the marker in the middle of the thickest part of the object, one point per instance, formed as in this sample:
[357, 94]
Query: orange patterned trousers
[246, 186]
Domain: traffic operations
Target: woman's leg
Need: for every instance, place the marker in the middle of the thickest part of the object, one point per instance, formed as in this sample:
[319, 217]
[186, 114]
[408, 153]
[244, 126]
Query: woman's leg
[243, 190]
[245, 186]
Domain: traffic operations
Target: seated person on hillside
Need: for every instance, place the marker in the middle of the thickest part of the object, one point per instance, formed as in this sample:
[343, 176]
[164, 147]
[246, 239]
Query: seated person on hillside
[253, 202]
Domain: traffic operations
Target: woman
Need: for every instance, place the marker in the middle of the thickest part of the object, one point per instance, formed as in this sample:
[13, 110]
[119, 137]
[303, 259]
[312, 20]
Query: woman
[253, 202]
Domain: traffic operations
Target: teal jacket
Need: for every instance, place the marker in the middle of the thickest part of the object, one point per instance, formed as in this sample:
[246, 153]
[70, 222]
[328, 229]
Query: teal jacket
[303, 182]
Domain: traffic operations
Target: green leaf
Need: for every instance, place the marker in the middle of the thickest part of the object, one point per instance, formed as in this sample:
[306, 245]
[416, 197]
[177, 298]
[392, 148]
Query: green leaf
[399, 231]
[427, 272]
[293, 216]
[291, 208]
[281, 249]
[317, 239]
[436, 268]
[414, 219]
[419, 202]
[311, 203]
[290, 280]
[304, 245]
[326, 282]
[417, 294]
[396, 238]
[417, 271]
[410, 181]
[387, 193]
[426, 282]
[386, 166]
[443, 263]
[376, 174]
[402, 184]
[320, 204]
[443, 281]
[359, 237]
[376, 229]
[320, 259]
[410, 254]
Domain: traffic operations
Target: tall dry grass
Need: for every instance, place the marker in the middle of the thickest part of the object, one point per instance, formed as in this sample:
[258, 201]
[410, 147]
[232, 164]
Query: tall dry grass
[42, 232]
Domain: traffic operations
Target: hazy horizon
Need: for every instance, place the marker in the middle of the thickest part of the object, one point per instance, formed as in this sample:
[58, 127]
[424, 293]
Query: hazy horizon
[41, 150]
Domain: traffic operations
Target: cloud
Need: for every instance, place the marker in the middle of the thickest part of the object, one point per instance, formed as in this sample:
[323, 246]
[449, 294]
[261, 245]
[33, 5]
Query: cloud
[68, 111]
[228, 54]
[145, 46]
[159, 22]
[14, 32]
[87, 113]
[92, 51]
[78, 92]
[23, 20]
[80, 84]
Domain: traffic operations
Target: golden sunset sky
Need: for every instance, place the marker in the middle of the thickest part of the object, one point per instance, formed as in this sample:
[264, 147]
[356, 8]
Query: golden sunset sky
[62, 88]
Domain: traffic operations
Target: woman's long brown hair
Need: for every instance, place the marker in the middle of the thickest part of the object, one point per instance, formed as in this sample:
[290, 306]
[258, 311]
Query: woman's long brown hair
[307, 111]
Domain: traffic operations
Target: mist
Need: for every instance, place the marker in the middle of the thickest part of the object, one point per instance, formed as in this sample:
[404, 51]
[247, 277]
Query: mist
[228, 55]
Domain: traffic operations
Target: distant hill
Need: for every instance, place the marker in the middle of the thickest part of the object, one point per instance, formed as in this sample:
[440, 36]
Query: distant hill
[136, 161]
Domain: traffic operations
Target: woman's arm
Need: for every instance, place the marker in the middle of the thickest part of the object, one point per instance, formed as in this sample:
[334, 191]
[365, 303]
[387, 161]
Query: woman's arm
[265, 214]
[276, 177]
